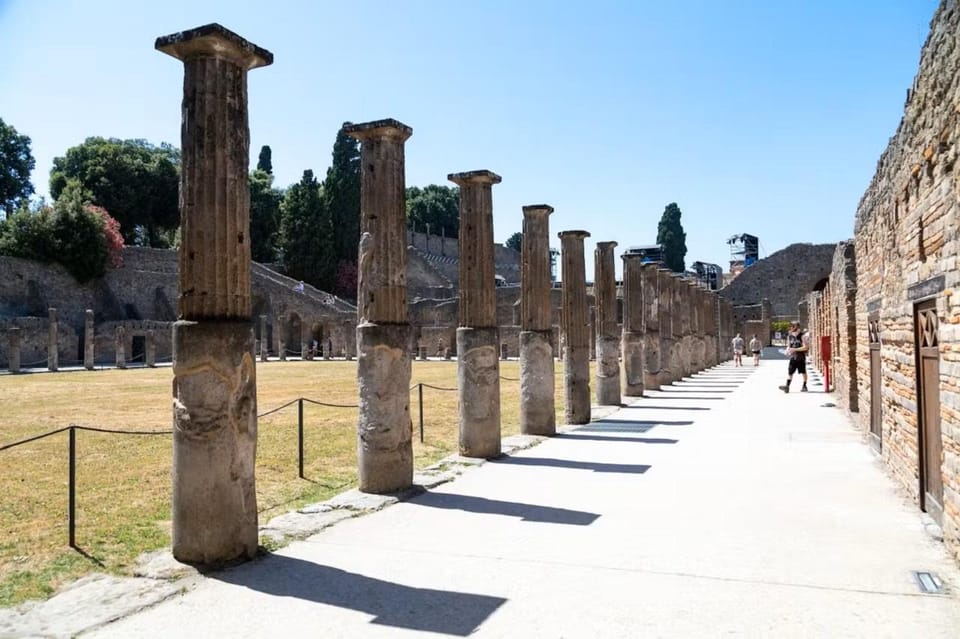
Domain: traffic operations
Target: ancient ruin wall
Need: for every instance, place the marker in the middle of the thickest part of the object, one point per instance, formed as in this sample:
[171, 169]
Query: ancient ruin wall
[784, 278]
[905, 242]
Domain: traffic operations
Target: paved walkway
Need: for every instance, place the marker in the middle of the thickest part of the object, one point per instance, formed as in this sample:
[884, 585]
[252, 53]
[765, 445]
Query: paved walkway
[715, 507]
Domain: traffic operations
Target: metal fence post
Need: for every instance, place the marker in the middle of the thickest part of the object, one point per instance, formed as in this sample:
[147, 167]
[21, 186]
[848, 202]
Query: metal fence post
[420, 389]
[72, 483]
[300, 436]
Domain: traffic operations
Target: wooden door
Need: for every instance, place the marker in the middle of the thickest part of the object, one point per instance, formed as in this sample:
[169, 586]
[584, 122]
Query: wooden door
[876, 425]
[928, 407]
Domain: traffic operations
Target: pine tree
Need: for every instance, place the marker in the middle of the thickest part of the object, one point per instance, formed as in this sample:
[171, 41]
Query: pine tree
[264, 216]
[265, 161]
[341, 197]
[673, 239]
[306, 235]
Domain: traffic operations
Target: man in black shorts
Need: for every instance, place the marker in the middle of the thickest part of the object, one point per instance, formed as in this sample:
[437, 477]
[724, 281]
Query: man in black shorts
[797, 346]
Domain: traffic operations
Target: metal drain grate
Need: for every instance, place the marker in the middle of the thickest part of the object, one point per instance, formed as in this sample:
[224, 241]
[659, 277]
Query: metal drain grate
[928, 582]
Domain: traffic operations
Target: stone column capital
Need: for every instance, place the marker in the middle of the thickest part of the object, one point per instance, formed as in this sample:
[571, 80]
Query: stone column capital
[606, 246]
[387, 128]
[214, 41]
[631, 257]
[573, 235]
[481, 176]
[537, 210]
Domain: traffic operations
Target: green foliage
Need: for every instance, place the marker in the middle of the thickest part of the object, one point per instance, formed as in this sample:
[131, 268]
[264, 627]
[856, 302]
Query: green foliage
[306, 237]
[134, 180]
[16, 163]
[780, 325]
[515, 241]
[341, 198]
[435, 207]
[264, 216]
[673, 239]
[82, 238]
[265, 160]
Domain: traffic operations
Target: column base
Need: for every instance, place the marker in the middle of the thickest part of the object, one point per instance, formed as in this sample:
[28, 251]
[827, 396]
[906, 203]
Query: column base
[632, 364]
[576, 377]
[478, 383]
[537, 404]
[214, 442]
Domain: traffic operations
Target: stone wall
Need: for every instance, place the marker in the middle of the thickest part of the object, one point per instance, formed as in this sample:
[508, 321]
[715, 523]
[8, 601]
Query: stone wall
[904, 254]
[784, 278]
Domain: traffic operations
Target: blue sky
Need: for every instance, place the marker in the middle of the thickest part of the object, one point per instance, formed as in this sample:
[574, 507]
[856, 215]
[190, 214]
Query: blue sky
[754, 116]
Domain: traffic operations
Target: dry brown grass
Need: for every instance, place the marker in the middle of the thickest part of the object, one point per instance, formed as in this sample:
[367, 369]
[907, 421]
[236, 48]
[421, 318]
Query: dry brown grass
[123, 481]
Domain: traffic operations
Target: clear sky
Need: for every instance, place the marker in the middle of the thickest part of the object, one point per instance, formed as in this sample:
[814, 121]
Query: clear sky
[754, 116]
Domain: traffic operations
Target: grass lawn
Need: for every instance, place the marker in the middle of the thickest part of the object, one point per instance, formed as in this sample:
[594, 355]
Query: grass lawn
[123, 481]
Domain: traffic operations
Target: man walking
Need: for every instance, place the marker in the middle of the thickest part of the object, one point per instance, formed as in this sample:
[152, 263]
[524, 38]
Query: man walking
[737, 343]
[797, 346]
[755, 348]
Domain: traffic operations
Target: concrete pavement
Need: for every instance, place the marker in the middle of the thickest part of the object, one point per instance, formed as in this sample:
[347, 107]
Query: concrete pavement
[715, 507]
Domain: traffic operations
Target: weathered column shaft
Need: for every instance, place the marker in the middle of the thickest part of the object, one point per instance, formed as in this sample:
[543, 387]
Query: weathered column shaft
[214, 388]
[384, 447]
[478, 367]
[151, 348]
[13, 356]
[281, 340]
[667, 363]
[53, 346]
[576, 356]
[650, 290]
[89, 341]
[120, 346]
[264, 343]
[632, 340]
[537, 404]
[605, 324]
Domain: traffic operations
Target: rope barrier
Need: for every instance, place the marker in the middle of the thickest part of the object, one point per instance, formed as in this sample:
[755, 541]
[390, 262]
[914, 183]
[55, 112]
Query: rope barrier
[33, 439]
[278, 408]
[112, 431]
[313, 401]
[439, 388]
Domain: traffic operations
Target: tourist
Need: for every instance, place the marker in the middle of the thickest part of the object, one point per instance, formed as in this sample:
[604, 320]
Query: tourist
[737, 343]
[755, 348]
[299, 287]
[797, 346]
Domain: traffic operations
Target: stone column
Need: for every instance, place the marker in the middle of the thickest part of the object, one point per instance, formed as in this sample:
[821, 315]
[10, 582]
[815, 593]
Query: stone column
[650, 291]
[214, 385]
[576, 355]
[478, 369]
[13, 356]
[151, 347]
[665, 284]
[281, 342]
[120, 341]
[53, 347]
[605, 324]
[385, 451]
[264, 343]
[349, 340]
[504, 352]
[89, 340]
[632, 340]
[537, 413]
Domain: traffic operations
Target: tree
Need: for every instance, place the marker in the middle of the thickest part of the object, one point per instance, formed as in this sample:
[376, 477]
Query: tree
[16, 163]
[515, 241]
[133, 179]
[673, 239]
[436, 206]
[264, 216]
[341, 197]
[81, 237]
[265, 161]
[305, 234]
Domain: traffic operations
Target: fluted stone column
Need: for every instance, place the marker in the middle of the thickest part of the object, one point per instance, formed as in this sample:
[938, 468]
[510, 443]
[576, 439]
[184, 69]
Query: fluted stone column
[215, 390]
[385, 451]
[665, 281]
[151, 348]
[264, 342]
[478, 368]
[632, 340]
[89, 340]
[576, 355]
[650, 288]
[592, 325]
[13, 355]
[53, 347]
[605, 324]
[537, 406]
